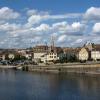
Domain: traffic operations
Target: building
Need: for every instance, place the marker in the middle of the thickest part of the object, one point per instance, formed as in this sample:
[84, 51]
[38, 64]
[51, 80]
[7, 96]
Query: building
[69, 54]
[11, 56]
[40, 48]
[89, 46]
[39, 51]
[49, 57]
[95, 55]
[83, 54]
[44, 55]
[2, 56]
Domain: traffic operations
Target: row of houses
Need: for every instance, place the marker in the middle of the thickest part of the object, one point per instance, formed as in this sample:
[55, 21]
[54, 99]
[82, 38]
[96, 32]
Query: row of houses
[10, 54]
[89, 52]
[44, 53]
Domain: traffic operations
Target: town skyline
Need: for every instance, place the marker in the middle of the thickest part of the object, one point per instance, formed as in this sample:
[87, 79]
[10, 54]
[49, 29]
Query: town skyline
[72, 24]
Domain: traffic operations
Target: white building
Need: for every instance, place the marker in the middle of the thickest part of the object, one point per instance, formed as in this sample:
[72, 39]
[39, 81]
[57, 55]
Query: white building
[28, 56]
[49, 57]
[11, 56]
[95, 55]
[37, 56]
[83, 54]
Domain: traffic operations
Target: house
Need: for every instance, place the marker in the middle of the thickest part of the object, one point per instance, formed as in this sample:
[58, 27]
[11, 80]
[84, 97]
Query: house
[11, 56]
[69, 54]
[83, 54]
[2, 56]
[38, 55]
[44, 53]
[49, 57]
[38, 52]
[95, 53]
[40, 48]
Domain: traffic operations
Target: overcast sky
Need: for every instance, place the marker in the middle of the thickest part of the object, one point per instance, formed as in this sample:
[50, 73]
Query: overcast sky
[25, 23]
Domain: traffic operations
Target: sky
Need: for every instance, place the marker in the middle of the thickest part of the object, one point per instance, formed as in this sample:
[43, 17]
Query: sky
[26, 23]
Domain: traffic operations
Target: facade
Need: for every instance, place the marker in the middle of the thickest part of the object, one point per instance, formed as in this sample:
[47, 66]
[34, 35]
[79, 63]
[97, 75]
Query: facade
[83, 54]
[11, 56]
[95, 55]
[69, 54]
[49, 57]
[39, 51]
[21, 52]
[38, 55]
[40, 48]
[2, 57]
[89, 46]
[45, 53]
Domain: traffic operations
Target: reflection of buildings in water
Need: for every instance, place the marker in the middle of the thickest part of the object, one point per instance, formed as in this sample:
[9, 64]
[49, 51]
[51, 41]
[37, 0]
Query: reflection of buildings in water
[88, 84]
[8, 73]
[46, 84]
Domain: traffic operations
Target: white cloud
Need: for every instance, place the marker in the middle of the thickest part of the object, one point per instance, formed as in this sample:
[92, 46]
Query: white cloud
[77, 26]
[38, 26]
[9, 27]
[93, 13]
[62, 38]
[42, 27]
[78, 40]
[36, 16]
[96, 28]
[31, 12]
[7, 13]
[64, 27]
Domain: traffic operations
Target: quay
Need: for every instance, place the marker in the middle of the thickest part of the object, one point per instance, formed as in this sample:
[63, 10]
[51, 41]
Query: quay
[82, 68]
[7, 67]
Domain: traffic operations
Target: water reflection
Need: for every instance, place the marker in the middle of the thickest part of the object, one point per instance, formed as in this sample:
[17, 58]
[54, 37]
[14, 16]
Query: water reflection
[17, 85]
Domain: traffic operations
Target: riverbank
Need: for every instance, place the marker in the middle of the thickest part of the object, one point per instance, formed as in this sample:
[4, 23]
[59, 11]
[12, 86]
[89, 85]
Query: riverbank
[82, 68]
[7, 66]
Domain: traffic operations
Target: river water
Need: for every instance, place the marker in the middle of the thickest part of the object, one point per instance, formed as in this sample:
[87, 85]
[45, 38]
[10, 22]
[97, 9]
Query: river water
[18, 85]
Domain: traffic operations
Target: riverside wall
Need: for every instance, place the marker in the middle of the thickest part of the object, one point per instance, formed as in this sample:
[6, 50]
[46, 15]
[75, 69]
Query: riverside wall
[92, 68]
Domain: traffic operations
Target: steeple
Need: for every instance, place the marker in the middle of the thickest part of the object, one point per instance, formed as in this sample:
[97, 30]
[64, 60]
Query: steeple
[52, 48]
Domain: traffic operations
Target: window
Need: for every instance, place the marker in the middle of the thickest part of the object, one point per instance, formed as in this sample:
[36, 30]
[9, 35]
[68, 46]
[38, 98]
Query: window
[54, 56]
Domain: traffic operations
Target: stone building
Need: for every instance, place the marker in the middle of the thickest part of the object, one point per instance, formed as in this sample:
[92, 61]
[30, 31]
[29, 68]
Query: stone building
[83, 54]
[95, 53]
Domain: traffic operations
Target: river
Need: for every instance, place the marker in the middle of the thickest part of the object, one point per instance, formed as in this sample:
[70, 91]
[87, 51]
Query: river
[19, 85]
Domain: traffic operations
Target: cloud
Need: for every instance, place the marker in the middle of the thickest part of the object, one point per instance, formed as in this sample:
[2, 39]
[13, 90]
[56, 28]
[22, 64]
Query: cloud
[42, 32]
[31, 12]
[70, 29]
[39, 26]
[62, 38]
[93, 13]
[96, 28]
[36, 16]
[9, 27]
[42, 27]
[7, 14]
